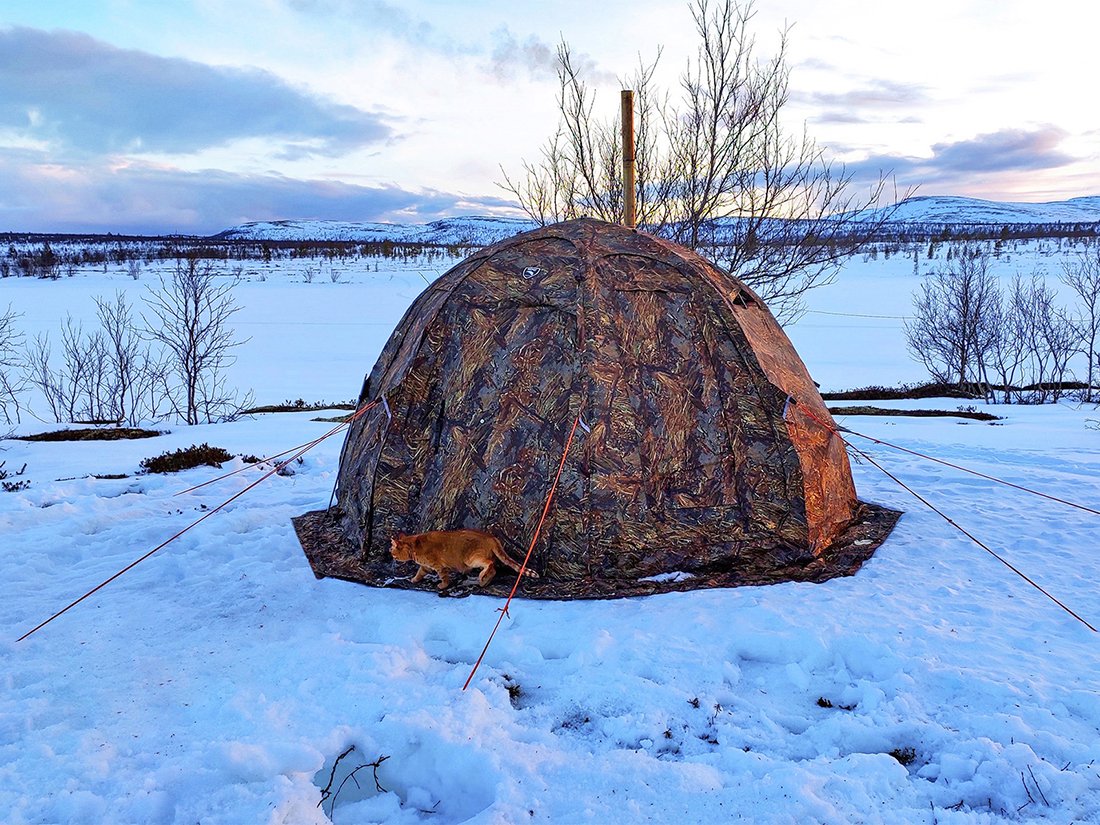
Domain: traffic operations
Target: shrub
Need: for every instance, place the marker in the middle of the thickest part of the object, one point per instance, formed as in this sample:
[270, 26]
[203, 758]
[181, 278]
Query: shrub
[299, 405]
[186, 458]
[12, 486]
[905, 756]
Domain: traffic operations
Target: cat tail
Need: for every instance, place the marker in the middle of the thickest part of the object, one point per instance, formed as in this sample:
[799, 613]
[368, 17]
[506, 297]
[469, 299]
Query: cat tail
[502, 557]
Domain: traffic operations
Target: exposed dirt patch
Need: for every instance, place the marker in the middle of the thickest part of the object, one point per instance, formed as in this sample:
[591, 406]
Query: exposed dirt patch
[976, 415]
[91, 434]
[905, 391]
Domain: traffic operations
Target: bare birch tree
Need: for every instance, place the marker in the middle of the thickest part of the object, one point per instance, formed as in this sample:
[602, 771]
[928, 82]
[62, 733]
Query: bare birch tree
[75, 390]
[1009, 348]
[967, 331]
[137, 387]
[107, 374]
[12, 381]
[953, 328]
[1083, 277]
[715, 171]
[189, 315]
[1049, 334]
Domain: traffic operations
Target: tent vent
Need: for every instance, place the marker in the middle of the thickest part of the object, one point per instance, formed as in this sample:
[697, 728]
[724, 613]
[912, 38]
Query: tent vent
[742, 298]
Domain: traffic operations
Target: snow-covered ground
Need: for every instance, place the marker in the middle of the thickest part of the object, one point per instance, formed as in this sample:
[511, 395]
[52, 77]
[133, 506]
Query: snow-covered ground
[218, 681]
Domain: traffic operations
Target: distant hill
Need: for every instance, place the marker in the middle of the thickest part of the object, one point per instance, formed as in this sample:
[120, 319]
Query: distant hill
[466, 231]
[932, 211]
[970, 211]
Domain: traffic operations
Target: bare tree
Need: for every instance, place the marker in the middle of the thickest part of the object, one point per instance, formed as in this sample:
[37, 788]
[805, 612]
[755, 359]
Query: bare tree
[955, 321]
[1050, 336]
[136, 388]
[716, 172]
[579, 172]
[39, 373]
[12, 381]
[107, 375]
[1009, 348]
[76, 390]
[1083, 277]
[966, 331]
[189, 315]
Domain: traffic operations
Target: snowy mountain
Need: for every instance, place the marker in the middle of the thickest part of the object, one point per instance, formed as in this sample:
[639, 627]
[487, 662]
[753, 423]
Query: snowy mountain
[476, 231]
[954, 210]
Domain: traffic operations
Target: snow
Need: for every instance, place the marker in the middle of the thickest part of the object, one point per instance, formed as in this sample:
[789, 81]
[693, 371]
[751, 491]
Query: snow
[218, 681]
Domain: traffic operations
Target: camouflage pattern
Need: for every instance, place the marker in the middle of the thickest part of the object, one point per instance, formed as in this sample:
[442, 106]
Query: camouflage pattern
[686, 463]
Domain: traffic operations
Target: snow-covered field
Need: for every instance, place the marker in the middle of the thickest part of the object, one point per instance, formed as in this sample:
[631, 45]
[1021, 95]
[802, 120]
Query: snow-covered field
[218, 681]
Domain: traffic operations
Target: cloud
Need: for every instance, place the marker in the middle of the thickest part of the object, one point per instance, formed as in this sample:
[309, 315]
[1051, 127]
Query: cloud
[816, 64]
[379, 17]
[952, 164]
[1006, 150]
[842, 118]
[139, 198]
[83, 97]
[847, 118]
[533, 56]
[377, 12]
[501, 54]
[879, 94]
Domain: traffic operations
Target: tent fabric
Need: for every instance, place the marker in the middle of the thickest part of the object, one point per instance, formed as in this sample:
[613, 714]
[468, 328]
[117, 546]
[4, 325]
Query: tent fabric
[702, 461]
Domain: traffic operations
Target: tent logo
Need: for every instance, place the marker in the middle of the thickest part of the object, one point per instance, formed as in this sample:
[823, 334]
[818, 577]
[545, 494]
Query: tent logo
[533, 272]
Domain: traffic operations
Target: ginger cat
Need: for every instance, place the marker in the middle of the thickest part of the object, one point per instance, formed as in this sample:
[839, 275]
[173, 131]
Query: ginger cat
[462, 551]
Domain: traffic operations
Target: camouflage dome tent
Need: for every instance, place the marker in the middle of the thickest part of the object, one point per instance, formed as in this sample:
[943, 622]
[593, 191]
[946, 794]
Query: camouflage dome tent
[695, 471]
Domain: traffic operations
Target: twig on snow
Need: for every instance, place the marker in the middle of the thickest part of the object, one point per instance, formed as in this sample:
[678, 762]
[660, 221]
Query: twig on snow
[1040, 790]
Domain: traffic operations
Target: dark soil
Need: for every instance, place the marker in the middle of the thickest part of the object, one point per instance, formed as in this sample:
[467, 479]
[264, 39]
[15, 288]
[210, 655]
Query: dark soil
[905, 391]
[973, 414]
[91, 434]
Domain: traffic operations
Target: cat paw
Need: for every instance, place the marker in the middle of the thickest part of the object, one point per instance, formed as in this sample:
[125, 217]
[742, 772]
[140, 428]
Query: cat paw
[459, 591]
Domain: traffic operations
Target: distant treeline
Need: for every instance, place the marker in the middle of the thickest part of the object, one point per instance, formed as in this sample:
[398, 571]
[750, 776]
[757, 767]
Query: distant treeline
[50, 256]
[966, 232]
[47, 255]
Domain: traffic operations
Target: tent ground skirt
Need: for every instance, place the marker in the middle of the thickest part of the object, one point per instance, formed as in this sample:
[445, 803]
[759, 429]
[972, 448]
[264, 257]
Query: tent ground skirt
[331, 555]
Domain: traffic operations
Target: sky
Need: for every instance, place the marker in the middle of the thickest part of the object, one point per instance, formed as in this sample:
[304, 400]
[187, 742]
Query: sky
[192, 116]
